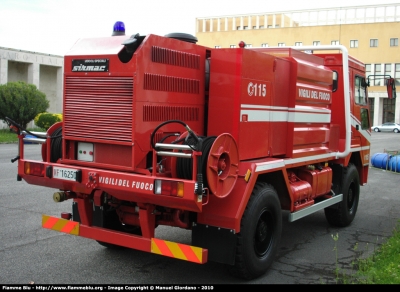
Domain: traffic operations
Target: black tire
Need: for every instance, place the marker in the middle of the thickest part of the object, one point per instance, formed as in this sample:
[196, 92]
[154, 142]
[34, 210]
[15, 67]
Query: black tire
[376, 130]
[343, 213]
[260, 233]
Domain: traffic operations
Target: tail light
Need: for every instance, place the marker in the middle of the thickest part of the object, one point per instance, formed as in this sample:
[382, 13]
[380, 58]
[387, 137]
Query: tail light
[33, 168]
[168, 188]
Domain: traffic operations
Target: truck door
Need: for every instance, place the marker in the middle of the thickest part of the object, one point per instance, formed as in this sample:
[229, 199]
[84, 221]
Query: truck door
[360, 114]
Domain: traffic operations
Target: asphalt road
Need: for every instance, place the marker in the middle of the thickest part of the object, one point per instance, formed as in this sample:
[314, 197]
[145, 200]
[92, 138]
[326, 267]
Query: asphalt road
[306, 255]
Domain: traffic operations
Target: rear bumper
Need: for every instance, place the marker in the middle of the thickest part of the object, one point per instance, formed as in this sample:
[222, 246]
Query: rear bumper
[131, 187]
[152, 245]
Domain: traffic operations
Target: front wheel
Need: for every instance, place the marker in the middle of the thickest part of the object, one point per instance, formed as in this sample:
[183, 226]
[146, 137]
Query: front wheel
[396, 130]
[343, 213]
[376, 130]
[260, 233]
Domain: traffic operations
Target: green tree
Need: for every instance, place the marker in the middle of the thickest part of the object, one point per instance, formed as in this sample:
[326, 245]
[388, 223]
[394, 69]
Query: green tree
[21, 102]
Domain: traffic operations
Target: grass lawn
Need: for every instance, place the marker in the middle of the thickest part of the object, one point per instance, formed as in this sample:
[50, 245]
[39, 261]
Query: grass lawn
[6, 136]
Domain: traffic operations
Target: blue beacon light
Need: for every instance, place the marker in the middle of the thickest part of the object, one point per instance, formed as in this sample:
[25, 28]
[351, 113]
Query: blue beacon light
[119, 28]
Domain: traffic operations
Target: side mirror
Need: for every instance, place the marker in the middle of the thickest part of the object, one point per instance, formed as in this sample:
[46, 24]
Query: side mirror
[391, 88]
[364, 83]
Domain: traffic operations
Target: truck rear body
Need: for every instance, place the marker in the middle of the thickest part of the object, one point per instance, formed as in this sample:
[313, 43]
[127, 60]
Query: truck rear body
[166, 132]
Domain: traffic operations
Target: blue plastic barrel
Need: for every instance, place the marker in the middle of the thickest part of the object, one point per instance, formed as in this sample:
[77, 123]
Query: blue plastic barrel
[29, 142]
[394, 163]
[380, 160]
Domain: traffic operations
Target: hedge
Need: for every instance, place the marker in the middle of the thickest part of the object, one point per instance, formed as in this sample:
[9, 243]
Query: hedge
[46, 120]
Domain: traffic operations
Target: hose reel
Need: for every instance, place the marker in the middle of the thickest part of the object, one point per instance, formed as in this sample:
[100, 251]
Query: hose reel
[219, 164]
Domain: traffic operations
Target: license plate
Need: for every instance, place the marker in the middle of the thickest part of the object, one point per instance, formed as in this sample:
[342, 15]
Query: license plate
[64, 173]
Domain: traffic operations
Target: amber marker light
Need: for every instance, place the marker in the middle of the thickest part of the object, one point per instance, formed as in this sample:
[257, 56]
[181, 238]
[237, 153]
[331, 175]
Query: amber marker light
[33, 168]
[168, 188]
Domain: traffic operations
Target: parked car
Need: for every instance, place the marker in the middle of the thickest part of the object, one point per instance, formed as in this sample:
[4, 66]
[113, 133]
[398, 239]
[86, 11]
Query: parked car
[387, 127]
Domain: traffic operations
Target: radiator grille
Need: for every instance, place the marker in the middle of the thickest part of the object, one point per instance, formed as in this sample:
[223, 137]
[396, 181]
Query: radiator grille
[171, 84]
[176, 58]
[98, 108]
[164, 113]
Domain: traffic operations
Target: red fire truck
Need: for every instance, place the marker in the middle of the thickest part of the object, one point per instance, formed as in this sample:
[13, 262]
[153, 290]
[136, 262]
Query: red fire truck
[161, 131]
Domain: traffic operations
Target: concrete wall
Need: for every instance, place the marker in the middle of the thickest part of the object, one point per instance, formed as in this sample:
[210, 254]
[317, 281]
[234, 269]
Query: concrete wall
[17, 71]
[50, 83]
[43, 70]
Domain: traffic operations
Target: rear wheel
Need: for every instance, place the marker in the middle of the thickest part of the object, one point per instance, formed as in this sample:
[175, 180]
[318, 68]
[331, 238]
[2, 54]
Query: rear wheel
[111, 221]
[260, 233]
[396, 130]
[343, 213]
[376, 130]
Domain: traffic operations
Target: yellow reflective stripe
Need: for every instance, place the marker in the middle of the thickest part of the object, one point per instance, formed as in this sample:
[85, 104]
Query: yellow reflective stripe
[177, 250]
[60, 224]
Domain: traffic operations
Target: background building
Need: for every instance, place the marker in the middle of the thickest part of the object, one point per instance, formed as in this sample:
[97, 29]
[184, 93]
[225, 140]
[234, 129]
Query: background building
[370, 33]
[43, 70]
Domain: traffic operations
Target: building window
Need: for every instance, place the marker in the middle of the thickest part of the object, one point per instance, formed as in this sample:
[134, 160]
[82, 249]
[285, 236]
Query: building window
[264, 45]
[217, 47]
[248, 46]
[277, 26]
[353, 43]
[394, 42]
[335, 43]
[254, 27]
[368, 71]
[269, 26]
[368, 68]
[281, 44]
[316, 43]
[378, 79]
[261, 26]
[297, 44]
[238, 28]
[389, 106]
[232, 46]
[397, 74]
[388, 70]
[373, 43]
[245, 27]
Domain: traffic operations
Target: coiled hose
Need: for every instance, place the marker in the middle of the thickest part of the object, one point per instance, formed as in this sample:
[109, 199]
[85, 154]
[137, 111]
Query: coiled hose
[56, 145]
[185, 166]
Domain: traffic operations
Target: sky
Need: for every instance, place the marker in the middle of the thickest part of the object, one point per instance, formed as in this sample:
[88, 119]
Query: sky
[53, 26]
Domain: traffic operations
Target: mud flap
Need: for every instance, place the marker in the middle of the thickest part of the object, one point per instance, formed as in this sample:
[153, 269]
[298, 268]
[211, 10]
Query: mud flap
[337, 180]
[75, 212]
[220, 242]
[98, 216]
